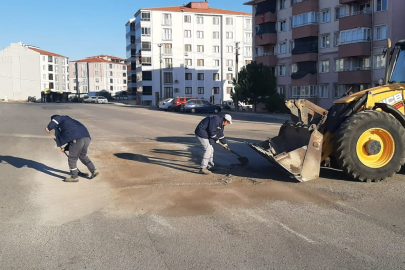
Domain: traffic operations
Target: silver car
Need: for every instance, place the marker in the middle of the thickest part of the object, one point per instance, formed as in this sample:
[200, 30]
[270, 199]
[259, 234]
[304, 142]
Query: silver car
[100, 100]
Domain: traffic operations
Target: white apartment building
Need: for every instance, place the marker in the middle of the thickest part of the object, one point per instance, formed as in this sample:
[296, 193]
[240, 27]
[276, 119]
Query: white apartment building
[188, 50]
[97, 74]
[26, 70]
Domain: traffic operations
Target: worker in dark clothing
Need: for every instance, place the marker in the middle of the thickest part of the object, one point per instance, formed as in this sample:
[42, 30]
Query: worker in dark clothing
[72, 136]
[211, 128]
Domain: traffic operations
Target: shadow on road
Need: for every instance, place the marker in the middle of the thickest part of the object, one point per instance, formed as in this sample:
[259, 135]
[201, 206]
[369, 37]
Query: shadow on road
[22, 162]
[193, 139]
[155, 160]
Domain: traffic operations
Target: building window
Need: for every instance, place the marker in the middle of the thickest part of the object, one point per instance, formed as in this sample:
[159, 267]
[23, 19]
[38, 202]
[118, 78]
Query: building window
[168, 48]
[229, 63]
[111, 80]
[145, 16]
[281, 70]
[147, 90]
[281, 90]
[187, 47]
[200, 76]
[380, 32]
[200, 48]
[147, 75]
[56, 60]
[146, 61]
[50, 68]
[49, 59]
[339, 65]
[282, 48]
[187, 33]
[96, 65]
[215, 20]
[145, 31]
[248, 37]
[324, 66]
[200, 90]
[248, 62]
[325, 41]
[282, 26]
[229, 77]
[200, 62]
[303, 91]
[292, 45]
[379, 61]
[187, 19]
[336, 39]
[167, 34]
[381, 5]
[97, 80]
[168, 63]
[294, 68]
[339, 12]
[282, 4]
[146, 46]
[229, 49]
[168, 77]
[305, 19]
[168, 92]
[229, 90]
[200, 34]
[215, 90]
[339, 90]
[189, 90]
[188, 62]
[97, 88]
[216, 77]
[189, 76]
[355, 35]
[96, 73]
[229, 21]
[325, 16]
[216, 49]
[229, 35]
[200, 20]
[215, 35]
[216, 63]
[323, 91]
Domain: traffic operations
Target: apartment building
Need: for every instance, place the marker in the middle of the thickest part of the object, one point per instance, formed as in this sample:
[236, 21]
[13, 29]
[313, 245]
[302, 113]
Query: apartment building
[186, 50]
[26, 70]
[320, 49]
[100, 73]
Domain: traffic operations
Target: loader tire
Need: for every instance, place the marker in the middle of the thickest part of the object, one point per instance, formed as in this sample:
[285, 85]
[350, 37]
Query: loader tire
[370, 146]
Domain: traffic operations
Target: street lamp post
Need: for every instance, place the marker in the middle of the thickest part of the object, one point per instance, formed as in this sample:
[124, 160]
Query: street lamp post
[160, 71]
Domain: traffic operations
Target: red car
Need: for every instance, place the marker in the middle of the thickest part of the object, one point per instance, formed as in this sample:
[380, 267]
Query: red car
[177, 101]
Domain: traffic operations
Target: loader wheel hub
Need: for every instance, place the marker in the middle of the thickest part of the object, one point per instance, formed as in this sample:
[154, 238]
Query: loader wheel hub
[375, 147]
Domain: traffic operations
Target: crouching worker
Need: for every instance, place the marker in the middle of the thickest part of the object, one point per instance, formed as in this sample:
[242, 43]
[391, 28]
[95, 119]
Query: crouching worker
[72, 136]
[211, 128]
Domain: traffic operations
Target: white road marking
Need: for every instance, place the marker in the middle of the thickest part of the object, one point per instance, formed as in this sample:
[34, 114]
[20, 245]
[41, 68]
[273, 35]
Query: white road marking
[162, 221]
[296, 233]
[351, 207]
[25, 136]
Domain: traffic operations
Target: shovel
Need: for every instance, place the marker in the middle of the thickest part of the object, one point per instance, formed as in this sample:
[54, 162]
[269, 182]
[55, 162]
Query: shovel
[243, 160]
[79, 172]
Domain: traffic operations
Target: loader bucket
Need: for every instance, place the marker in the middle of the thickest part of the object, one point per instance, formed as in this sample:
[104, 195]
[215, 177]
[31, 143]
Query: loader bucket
[296, 150]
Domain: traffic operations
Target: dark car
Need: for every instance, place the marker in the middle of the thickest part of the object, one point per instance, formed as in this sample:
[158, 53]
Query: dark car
[177, 101]
[199, 105]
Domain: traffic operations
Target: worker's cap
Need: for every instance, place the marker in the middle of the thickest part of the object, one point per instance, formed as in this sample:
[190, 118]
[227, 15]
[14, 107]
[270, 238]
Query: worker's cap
[228, 118]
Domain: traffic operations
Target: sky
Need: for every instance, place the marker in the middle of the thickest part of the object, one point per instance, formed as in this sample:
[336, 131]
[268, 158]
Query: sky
[79, 29]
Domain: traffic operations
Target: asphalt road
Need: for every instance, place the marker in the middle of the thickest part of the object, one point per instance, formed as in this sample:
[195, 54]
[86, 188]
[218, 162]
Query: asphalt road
[149, 209]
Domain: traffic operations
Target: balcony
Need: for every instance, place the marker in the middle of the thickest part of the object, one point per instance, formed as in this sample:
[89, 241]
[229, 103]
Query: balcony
[267, 59]
[356, 19]
[306, 57]
[266, 39]
[309, 30]
[309, 79]
[360, 48]
[305, 6]
[265, 18]
[355, 76]
[342, 2]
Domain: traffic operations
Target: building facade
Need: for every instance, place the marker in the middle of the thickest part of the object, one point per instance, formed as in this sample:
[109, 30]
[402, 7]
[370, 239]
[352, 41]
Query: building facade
[320, 49]
[100, 73]
[26, 70]
[191, 50]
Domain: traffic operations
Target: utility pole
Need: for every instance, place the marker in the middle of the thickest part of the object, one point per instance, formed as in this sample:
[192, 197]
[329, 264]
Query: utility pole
[236, 73]
[160, 71]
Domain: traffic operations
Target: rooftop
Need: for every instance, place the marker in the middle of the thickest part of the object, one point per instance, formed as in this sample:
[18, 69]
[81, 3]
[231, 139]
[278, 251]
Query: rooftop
[45, 52]
[95, 60]
[194, 7]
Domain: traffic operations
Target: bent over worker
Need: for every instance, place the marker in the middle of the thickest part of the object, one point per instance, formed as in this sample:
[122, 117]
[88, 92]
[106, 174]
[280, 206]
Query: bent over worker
[211, 128]
[72, 136]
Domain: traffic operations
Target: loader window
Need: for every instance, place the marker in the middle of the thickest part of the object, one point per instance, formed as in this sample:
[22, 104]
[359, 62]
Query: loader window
[398, 74]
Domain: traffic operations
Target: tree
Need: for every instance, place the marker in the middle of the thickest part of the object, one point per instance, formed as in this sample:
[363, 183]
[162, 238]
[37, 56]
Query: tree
[256, 84]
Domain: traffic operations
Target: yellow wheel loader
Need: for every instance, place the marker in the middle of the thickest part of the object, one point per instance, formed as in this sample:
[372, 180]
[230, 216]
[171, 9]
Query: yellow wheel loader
[362, 133]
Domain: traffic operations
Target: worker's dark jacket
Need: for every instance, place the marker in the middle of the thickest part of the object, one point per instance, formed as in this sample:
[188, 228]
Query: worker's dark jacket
[211, 128]
[67, 129]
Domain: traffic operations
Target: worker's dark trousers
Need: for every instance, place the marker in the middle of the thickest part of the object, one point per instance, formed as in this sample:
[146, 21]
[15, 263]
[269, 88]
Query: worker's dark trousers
[78, 150]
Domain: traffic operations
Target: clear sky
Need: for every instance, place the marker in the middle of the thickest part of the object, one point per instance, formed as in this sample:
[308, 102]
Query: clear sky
[78, 29]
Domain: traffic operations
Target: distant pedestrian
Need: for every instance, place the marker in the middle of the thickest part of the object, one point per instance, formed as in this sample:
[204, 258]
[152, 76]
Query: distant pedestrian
[210, 129]
[72, 136]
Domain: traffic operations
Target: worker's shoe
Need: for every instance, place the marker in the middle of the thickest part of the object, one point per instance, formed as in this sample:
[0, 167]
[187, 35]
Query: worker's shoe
[204, 171]
[82, 174]
[72, 179]
[94, 174]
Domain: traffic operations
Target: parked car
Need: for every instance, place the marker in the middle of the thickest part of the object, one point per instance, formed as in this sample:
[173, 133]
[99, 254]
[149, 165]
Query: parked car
[100, 100]
[166, 104]
[230, 105]
[199, 105]
[86, 99]
[177, 101]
